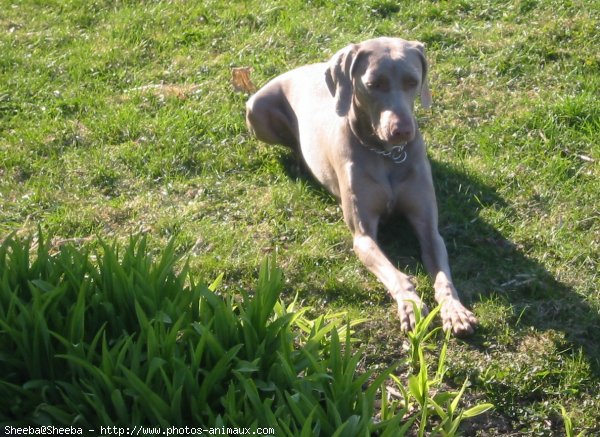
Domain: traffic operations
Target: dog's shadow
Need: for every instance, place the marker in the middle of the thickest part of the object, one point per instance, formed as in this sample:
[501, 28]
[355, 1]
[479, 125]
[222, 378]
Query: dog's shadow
[485, 264]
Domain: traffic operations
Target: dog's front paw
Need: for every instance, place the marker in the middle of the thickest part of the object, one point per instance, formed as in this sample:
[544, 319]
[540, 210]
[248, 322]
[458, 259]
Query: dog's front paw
[406, 310]
[457, 318]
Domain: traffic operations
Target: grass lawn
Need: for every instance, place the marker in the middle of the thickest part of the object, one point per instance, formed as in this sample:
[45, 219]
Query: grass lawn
[119, 117]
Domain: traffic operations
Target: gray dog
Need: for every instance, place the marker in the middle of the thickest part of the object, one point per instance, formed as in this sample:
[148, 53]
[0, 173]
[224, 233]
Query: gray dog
[352, 121]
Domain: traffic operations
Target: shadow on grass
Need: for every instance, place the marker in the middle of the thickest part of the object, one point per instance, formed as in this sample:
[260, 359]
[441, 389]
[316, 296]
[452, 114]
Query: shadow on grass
[486, 265]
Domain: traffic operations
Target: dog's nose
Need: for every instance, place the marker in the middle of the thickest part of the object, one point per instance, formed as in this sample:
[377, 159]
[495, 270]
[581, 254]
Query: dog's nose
[401, 132]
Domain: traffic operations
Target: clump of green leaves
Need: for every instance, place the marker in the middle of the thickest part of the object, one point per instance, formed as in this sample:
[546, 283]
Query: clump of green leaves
[443, 407]
[121, 337]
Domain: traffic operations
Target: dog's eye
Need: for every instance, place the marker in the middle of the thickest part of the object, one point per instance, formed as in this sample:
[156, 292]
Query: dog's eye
[411, 82]
[379, 84]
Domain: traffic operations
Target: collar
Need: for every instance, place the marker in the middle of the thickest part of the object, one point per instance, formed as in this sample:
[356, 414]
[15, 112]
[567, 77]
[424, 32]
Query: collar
[398, 153]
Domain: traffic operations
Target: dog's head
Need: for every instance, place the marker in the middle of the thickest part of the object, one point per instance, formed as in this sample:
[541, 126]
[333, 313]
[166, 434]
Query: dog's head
[379, 80]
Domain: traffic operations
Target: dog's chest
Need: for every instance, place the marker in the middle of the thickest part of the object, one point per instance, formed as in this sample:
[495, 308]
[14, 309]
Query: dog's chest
[392, 183]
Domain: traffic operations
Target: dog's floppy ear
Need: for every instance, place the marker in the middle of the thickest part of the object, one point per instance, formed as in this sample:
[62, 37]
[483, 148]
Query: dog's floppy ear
[425, 92]
[339, 78]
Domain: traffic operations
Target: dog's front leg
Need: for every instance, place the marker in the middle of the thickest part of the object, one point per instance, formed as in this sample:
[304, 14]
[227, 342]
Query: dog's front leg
[362, 205]
[421, 210]
[397, 283]
[454, 315]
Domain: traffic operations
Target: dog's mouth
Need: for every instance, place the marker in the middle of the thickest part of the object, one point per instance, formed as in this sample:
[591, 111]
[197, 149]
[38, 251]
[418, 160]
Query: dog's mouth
[388, 141]
[386, 144]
